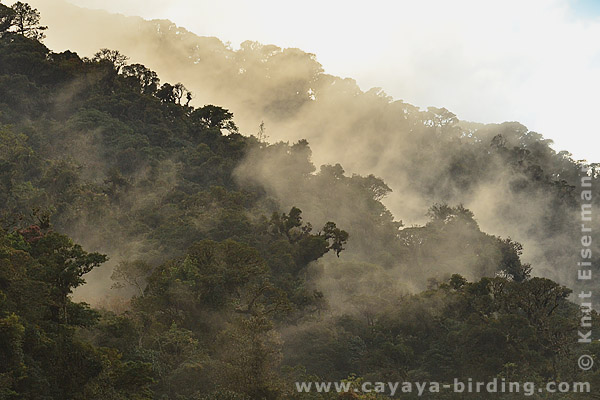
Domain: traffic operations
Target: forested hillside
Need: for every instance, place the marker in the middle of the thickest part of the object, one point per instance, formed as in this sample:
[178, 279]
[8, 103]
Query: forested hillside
[237, 265]
[426, 156]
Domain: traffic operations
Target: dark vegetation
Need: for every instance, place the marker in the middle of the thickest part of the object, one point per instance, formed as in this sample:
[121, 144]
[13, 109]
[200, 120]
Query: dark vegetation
[227, 302]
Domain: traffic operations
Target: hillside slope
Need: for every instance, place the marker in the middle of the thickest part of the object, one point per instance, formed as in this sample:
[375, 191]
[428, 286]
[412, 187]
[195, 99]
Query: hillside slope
[515, 183]
[238, 267]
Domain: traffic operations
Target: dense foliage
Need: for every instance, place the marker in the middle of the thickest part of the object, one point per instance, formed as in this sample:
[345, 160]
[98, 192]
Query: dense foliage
[232, 294]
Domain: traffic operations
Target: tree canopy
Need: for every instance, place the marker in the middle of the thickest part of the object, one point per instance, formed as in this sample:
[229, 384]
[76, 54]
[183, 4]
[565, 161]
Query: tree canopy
[239, 267]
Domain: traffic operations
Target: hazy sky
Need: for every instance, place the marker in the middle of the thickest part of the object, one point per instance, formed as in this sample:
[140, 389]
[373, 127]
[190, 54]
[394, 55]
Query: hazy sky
[534, 61]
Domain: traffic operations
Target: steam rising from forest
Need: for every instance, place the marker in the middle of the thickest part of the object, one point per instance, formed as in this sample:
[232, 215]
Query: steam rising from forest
[424, 156]
[339, 234]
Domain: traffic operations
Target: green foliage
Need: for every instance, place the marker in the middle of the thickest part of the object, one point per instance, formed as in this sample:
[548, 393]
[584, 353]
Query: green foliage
[233, 294]
[41, 354]
[145, 79]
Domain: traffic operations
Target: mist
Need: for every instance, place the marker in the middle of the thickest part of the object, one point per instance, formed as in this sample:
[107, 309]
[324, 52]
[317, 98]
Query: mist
[186, 218]
[425, 156]
[486, 62]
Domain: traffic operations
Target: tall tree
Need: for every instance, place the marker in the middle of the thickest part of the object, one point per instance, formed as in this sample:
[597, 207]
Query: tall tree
[63, 264]
[26, 21]
[142, 77]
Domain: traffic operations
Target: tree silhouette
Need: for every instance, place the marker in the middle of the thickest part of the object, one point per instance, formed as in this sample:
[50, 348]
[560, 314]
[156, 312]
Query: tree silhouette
[211, 116]
[143, 77]
[114, 57]
[26, 21]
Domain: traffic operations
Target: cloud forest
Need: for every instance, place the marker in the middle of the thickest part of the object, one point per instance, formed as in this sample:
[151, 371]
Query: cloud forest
[183, 220]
